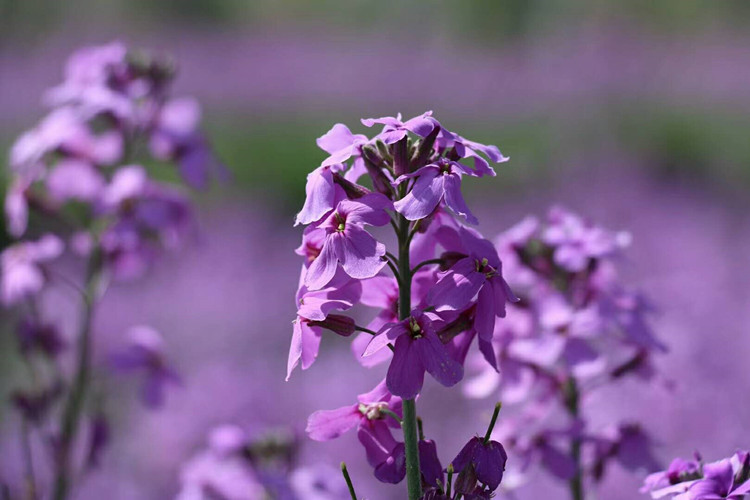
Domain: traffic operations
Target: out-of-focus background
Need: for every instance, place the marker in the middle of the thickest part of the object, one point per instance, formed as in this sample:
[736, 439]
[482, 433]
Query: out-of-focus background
[636, 114]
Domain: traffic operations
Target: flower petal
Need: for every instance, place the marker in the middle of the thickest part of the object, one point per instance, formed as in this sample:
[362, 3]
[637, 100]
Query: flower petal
[325, 425]
[405, 373]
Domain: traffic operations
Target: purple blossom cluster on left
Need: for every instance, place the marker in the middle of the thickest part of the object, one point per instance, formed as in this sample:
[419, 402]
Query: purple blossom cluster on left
[440, 288]
[78, 186]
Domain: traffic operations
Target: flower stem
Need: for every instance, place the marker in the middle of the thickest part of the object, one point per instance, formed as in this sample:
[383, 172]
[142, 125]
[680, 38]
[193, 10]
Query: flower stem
[409, 422]
[571, 396]
[348, 480]
[492, 423]
[71, 416]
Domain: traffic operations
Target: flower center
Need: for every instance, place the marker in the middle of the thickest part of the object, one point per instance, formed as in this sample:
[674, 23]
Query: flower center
[373, 411]
[415, 329]
[482, 266]
[341, 223]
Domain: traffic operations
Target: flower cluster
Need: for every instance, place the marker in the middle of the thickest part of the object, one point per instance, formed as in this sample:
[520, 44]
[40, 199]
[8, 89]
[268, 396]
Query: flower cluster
[574, 329]
[79, 185]
[695, 480]
[440, 288]
[239, 466]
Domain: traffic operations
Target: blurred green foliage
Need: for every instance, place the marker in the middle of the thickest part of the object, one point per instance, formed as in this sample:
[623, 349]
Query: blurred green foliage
[476, 20]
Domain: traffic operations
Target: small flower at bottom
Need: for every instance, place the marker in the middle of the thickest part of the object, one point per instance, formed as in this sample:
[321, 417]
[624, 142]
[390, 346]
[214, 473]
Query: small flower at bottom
[482, 461]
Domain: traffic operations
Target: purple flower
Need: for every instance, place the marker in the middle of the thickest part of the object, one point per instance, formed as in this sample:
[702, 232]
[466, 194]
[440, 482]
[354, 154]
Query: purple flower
[456, 148]
[348, 243]
[476, 275]
[314, 314]
[145, 353]
[72, 179]
[16, 205]
[221, 471]
[718, 482]
[485, 460]
[394, 129]
[22, 275]
[436, 182]
[341, 145]
[322, 194]
[417, 350]
[64, 131]
[147, 217]
[575, 241]
[429, 463]
[690, 480]
[176, 137]
[384, 453]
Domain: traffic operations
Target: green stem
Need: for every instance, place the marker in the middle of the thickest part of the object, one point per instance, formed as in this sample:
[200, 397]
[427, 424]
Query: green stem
[409, 422]
[488, 434]
[348, 481]
[572, 403]
[71, 417]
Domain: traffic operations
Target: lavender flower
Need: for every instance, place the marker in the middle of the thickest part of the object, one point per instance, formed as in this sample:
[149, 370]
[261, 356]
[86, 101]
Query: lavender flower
[693, 480]
[145, 353]
[21, 264]
[417, 350]
[347, 242]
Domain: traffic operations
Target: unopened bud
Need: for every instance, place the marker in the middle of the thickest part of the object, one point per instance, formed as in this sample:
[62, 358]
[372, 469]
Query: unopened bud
[401, 158]
[375, 166]
[424, 150]
[337, 323]
[353, 191]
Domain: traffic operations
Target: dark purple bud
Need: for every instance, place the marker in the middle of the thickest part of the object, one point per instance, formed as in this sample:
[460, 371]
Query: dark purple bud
[481, 460]
[353, 191]
[337, 323]
[375, 168]
[44, 338]
[429, 463]
[35, 405]
[99, 439]
[425, 150]
[401, 157]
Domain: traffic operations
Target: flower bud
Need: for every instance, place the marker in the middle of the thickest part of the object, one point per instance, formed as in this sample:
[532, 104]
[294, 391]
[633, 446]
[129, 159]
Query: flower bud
[337, 323]
[401, 157]
[353, 191]
[375, 165]
[424, 150]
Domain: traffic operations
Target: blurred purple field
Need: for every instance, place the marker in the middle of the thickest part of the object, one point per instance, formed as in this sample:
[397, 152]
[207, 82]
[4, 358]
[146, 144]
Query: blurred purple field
[600, 120]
